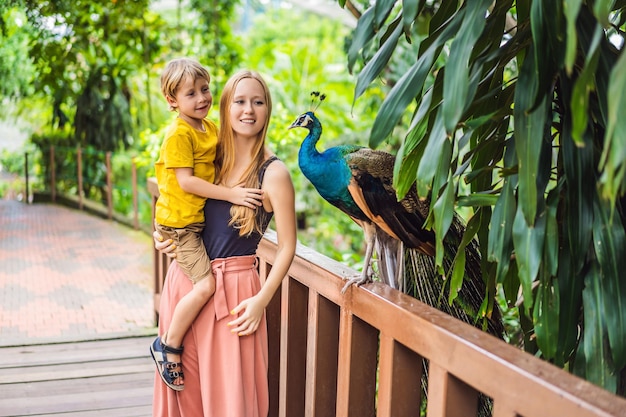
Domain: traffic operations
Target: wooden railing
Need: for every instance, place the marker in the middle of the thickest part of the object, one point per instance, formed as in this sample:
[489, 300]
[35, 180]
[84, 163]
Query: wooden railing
[73, 177]
[360, 354]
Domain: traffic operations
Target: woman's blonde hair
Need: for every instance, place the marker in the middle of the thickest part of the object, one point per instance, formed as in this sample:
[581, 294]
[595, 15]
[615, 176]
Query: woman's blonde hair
[178, 70]
[242, 218]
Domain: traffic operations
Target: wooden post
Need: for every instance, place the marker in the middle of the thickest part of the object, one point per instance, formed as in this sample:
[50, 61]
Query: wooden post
[79, 162]
[109, 186]
[53, 190]
[26, 194]
[135, 204]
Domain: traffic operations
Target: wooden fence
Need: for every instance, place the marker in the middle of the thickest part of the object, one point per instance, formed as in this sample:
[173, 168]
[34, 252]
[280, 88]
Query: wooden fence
[361, 354]
[76, 177]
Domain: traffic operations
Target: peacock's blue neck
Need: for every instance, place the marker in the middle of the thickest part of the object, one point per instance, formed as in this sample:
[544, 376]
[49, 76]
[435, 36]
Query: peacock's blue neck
[309, 157]
[329, 172]
[326, 170]
[310, 142]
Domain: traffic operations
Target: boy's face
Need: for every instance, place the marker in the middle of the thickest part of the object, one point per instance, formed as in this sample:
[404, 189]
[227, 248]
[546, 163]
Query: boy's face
[193, 99]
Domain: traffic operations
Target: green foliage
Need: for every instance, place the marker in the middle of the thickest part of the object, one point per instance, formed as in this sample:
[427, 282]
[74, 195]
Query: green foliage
[15, 66]
[519, 102]
[102, 116]
[11, 162]
[86, 73]
[84, 57]
[218, 47]
[82, 47]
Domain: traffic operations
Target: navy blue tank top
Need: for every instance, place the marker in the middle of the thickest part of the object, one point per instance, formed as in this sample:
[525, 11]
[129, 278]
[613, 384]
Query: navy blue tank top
[222, 240]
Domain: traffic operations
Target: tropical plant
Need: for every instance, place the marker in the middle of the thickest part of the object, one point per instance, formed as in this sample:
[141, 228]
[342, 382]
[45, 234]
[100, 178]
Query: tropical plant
[517, 112]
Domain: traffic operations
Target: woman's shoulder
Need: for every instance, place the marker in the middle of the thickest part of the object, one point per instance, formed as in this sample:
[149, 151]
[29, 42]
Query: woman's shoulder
[275, 171]
[274, 166]
[277, 186]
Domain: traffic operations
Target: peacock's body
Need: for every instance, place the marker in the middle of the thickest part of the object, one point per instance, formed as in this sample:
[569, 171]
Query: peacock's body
[358, 181]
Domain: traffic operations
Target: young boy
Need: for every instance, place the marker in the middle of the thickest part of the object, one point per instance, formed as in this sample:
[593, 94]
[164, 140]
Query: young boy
[185, 173]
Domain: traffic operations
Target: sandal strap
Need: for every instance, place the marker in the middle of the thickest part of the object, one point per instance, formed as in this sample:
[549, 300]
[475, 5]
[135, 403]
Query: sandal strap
[171, 369]
[171, 349]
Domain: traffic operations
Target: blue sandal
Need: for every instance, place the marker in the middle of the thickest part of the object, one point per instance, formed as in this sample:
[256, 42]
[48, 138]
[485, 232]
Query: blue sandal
[169, 371]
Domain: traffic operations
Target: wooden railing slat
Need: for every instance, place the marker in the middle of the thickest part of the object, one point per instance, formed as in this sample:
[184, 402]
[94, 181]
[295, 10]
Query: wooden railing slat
[322, 357]
[293, 348]
[273, 314]
[400, 372]
[448, 396]
[357, 386]
[344, 363]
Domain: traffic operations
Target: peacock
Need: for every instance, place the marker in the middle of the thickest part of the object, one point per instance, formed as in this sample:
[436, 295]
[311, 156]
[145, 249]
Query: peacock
[359, 182]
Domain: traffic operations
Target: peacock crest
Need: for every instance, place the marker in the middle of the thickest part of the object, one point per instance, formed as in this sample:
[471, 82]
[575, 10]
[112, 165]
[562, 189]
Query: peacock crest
[316, 99]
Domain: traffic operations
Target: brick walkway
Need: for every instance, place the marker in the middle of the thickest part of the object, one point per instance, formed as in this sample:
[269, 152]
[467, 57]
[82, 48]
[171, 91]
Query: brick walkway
[68, 275]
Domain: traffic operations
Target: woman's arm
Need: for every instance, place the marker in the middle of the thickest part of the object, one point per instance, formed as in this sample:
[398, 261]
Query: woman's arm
[281, 198]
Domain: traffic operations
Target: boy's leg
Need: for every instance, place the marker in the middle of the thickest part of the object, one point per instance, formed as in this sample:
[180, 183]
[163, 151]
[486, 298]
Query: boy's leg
[188, 309]
[185, 313]
[192, 258]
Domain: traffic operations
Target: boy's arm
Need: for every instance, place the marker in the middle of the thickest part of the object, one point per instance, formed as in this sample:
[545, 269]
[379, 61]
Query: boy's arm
[248, 197]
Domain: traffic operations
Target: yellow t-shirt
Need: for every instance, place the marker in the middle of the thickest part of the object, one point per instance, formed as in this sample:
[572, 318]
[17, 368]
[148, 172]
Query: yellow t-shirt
[184, 147]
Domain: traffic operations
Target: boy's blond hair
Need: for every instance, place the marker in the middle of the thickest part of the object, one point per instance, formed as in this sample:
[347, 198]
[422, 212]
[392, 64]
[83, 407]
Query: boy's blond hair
[178, 70]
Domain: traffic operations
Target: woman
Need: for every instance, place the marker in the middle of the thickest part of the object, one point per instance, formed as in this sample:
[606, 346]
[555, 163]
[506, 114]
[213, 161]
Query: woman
[225, 352]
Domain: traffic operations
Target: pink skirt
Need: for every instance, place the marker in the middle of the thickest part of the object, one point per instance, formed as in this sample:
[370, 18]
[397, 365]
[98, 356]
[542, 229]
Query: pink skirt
[225, 374]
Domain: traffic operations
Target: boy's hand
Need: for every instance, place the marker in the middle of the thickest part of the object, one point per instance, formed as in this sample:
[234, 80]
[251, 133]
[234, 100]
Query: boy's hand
[248, 197]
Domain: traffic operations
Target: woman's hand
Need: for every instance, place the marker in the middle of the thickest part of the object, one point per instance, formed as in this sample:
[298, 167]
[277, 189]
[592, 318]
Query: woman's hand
[248, 322]
[167, 247]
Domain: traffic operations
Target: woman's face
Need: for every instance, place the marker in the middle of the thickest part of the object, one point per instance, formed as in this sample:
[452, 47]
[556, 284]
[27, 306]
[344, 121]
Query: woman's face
[248, 110]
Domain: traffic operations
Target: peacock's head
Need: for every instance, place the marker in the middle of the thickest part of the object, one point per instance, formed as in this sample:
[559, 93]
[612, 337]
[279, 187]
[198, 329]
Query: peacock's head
[306, 120]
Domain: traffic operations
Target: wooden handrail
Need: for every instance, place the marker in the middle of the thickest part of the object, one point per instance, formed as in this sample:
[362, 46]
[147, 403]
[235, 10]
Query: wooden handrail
[361, 354]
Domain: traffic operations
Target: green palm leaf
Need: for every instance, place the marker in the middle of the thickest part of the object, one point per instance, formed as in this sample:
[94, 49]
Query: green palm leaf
[410, 85]
[613, 162]
[378, 63]
[597, 369]
[528, 241]
[456, 78]
[529, 130]
[610, 246]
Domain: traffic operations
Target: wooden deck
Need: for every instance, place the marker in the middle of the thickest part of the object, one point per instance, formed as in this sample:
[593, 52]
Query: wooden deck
[112, 378]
